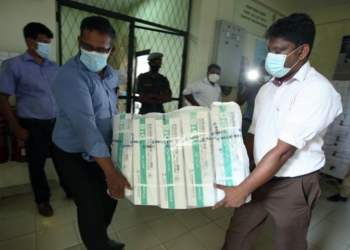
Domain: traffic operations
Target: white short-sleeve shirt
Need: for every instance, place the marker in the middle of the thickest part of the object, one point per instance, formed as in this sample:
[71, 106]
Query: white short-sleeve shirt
[203, 92]
[298, 113]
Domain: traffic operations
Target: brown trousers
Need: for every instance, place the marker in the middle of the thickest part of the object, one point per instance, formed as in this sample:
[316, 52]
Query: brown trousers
[289, 202]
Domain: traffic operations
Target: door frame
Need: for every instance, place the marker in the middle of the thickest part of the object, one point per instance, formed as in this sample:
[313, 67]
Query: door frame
[132, 25]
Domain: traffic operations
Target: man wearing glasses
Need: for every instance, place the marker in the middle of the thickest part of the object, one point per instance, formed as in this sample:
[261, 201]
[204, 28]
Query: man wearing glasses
[85, 92]
[29, 77]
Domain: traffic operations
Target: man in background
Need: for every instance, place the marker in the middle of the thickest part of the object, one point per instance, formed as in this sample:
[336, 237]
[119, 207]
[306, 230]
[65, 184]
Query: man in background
[344, 190]
[29, 77]
[206, 91]
[248, 95]
[153, 88]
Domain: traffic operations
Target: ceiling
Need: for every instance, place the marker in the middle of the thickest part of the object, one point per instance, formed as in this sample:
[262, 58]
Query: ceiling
[310, 5]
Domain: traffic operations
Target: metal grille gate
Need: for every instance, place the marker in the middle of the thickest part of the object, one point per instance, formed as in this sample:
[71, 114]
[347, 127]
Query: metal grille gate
[154, 25]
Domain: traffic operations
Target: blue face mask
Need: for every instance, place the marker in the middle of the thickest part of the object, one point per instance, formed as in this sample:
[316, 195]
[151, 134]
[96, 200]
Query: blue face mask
[94, 61]
[266, 78]
[274, 64]
[44, 49]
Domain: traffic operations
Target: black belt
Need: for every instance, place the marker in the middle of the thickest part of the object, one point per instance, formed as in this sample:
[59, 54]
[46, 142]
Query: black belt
[152, 106]
[247, 119]
[33, 120]
[277, 178]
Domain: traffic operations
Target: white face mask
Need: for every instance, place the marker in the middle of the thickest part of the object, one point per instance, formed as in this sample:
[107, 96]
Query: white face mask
[213, 78]
[44, 49]
[94, 61]
[274, 64]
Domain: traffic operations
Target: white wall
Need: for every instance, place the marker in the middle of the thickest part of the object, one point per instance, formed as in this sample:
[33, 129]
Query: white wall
[331, 25]
[14, 15]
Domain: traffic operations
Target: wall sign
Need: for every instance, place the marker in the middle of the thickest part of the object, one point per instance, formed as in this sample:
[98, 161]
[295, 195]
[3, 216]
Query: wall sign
[255, 18]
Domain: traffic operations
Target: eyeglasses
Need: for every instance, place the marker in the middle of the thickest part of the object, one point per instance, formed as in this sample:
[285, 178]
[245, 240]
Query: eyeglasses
[89, 48]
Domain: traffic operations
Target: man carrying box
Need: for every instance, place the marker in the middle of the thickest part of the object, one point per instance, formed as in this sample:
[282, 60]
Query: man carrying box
[85, 92]
[291, 116]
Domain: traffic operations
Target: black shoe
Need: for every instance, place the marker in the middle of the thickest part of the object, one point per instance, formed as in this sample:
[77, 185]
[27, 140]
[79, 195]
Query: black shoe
[45, 209]
[336, 198]
[116, 245]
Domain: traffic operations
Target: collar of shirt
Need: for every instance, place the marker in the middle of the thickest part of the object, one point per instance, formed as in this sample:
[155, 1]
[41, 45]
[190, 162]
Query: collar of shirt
[28, 57]
[299, 76]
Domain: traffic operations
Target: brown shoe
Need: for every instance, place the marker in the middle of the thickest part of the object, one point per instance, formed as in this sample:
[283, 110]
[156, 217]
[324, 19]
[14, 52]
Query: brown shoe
[45, 209]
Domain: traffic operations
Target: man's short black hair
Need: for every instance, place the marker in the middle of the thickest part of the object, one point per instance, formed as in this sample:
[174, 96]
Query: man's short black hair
[99, 24]
[213, 66]
[297, 28]
[32, 30]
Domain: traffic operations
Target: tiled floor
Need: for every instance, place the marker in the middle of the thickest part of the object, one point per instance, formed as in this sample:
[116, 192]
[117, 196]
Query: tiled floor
[21, 228]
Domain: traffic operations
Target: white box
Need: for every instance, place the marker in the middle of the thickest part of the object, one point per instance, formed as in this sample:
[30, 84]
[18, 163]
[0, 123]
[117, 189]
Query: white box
[122, 148]
[145, 161]
[231, 161]
[198, 157]
[171, 168]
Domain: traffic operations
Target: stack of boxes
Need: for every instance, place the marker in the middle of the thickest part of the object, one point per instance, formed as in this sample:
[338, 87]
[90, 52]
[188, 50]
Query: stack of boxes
[172, 160]
[337, 138]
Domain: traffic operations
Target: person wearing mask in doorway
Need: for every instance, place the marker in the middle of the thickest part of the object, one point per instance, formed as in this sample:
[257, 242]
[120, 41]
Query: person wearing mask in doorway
[205, 92]
[248, 95]
[29, 77]
[85, 92]
[153, 88]
[291, 116]
[344, 190]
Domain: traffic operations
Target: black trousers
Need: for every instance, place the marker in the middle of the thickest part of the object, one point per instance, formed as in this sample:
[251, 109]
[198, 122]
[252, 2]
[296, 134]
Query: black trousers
[146, 110]
[95, 208]
[38, 146]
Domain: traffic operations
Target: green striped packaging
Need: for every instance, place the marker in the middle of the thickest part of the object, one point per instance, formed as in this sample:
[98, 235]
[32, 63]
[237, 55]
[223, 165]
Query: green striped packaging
[121, 148]
[231, 161]
[145, 161]
[198, 157]
[171, 174]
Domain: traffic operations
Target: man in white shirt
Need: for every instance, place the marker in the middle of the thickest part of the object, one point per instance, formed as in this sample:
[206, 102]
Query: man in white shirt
[205, 92]
[291, 115]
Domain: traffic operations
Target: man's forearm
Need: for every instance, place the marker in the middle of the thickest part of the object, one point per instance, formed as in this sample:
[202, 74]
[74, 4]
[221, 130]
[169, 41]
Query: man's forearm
[105, 164]
[270, 164]
[6, 111]
[191, 100]
[243, 98]
[165, 97]
[148, 98]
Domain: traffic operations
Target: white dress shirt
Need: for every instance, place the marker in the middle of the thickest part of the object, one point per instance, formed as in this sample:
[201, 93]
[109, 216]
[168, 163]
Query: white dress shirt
[204, 92]
[298, 113]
